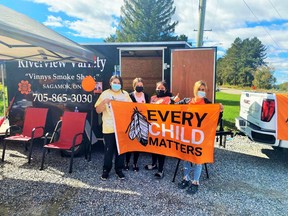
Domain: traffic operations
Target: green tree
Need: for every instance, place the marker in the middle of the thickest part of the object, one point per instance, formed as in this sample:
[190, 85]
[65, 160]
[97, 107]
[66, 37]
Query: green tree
[220, 71]
[264, 78]
[146, 20]
[283, 86]
[228, 66]
[111, 38]
[242, 59]
[181, 37]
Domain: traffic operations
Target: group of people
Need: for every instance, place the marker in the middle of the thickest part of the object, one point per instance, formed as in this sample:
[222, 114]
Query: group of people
[162, 96]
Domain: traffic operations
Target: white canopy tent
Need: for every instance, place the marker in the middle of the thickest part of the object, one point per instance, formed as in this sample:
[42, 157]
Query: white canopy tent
[24, 38]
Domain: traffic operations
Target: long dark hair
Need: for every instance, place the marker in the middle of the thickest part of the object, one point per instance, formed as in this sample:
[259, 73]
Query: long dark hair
[163, 82]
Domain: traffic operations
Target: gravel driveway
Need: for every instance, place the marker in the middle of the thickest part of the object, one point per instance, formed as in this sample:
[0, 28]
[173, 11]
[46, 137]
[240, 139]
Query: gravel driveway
[246, 179]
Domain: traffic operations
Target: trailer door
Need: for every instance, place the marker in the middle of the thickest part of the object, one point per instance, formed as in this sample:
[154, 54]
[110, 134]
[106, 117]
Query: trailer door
[144, 62]
[191, 65]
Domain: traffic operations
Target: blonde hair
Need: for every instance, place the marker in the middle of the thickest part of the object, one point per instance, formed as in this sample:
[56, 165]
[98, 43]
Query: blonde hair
[135, 81]
[197, 86]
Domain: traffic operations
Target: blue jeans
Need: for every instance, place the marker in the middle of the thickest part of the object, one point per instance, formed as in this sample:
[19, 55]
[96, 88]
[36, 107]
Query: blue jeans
[188, 168]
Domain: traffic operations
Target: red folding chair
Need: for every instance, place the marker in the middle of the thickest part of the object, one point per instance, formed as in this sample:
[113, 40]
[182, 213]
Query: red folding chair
[33, 128]
[71, 135]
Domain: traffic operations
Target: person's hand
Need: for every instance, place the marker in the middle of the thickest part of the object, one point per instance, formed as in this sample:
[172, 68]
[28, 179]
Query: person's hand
[176, 98]
[221, 107]
[102, 106]
[106, 101]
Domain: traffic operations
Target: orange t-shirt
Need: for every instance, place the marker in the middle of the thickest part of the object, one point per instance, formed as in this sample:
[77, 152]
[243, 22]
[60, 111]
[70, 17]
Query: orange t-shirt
[160, 100]
[193, 101]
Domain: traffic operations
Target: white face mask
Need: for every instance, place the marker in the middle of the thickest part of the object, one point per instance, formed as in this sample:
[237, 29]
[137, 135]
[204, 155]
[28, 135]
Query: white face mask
[201, 94]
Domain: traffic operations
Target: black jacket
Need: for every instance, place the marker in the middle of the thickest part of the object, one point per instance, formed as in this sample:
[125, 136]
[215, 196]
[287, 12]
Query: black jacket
[187, 100]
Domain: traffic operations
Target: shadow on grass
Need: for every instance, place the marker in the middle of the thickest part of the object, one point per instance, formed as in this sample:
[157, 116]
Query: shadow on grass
[228, 125]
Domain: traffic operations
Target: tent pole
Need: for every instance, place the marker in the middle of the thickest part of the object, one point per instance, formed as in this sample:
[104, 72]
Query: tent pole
[3, 87]
[91, 131]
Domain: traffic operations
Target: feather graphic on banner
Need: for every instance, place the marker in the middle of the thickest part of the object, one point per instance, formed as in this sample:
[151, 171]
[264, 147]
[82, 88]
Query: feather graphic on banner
[138, 127]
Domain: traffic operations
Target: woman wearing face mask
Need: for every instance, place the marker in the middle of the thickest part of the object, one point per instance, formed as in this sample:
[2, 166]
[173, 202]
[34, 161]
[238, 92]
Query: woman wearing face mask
[200, 89]
[102, 105]
[137, 96]
[163, 96]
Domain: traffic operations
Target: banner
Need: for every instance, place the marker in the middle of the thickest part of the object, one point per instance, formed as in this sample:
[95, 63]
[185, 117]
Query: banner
[186, 132]
[282, 116]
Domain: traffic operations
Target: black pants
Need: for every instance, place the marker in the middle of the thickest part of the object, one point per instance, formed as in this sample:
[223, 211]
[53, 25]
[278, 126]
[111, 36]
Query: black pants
[110, 151]
[135, 158]
[161, 160]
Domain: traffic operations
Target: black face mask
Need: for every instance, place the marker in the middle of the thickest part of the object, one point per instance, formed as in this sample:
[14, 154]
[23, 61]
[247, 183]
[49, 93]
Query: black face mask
[139, 88]
[160, 93]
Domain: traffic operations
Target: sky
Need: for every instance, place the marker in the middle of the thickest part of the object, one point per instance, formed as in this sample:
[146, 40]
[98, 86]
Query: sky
[91, 21]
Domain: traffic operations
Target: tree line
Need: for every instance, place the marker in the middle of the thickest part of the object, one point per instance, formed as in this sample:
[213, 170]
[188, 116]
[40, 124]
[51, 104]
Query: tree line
[244, 65]
[146, 20]
[151, 20]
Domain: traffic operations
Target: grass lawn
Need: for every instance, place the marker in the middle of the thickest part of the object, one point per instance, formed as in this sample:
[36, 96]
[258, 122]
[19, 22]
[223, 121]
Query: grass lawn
[231, 103]
[1, 100]
[1, 107]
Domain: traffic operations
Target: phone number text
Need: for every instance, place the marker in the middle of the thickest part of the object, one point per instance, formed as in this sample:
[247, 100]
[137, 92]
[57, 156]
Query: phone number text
[62, 98]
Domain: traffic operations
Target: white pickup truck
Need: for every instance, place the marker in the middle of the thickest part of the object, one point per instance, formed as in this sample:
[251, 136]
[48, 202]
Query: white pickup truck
[258, 118]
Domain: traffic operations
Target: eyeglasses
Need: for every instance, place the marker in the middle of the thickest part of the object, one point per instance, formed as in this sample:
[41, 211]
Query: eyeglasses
[201, 89]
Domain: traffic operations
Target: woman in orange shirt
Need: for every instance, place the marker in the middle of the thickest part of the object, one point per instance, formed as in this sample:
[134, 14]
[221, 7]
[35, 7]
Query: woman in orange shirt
[163, 96]
[200, 89]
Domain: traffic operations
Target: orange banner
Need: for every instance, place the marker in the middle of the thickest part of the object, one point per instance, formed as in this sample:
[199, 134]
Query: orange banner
[186, 132]
[282, 116]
